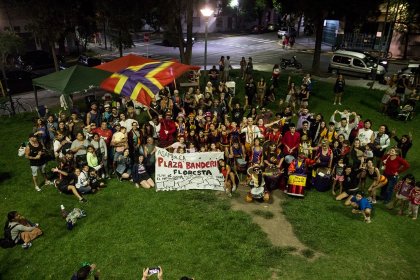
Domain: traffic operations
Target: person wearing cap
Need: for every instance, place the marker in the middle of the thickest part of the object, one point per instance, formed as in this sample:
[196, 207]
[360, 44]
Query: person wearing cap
[291, 141]
[167, 130]
[34, 151]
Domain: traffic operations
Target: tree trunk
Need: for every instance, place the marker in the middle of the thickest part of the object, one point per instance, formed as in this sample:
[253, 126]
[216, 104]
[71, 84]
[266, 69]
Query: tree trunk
[54, 56]
[188, 48]
[299, 24]
[6, 86]
[407, 36]
[319, 25]
[120, 43]
[105, 42]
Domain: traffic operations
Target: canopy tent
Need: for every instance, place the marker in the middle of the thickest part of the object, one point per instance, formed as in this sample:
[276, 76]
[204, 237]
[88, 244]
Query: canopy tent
[124, 62]
[142, 82]
[70, 80]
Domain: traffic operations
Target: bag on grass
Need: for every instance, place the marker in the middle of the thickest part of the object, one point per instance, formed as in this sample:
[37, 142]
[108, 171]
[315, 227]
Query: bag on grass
[7, 241]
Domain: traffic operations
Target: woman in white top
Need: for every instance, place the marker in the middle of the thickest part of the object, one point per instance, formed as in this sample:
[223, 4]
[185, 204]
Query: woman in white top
[366, 134]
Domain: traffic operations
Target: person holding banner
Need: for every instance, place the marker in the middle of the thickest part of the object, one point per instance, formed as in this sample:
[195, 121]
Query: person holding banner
[230, 177]
[140, 175]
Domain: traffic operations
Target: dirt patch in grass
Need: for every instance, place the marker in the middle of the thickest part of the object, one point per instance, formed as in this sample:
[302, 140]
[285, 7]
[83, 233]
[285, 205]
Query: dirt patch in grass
[270, 217]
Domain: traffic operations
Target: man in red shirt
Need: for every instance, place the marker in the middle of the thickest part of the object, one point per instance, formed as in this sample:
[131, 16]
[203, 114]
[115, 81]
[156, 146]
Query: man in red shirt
[167, 130]
[291, 141]
[104, 132]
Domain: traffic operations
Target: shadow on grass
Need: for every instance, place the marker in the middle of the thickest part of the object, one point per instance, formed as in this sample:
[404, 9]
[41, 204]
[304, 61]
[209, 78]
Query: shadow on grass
[4, 176]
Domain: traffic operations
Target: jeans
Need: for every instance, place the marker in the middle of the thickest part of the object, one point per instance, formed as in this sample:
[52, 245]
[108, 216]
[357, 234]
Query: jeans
[392, 181]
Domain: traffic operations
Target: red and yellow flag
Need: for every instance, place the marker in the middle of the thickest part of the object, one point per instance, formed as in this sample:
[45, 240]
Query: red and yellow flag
[142, 82]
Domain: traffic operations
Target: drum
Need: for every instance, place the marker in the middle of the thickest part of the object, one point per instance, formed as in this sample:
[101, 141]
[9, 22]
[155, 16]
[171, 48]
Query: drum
[257, 193]
[241, 165]
[296, 185]
[272, 178]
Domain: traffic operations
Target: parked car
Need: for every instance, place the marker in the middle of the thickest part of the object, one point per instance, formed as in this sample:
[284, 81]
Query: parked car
[355, 63]
[35, 60]
[374, 59]
[286, 31]
[171, 40]
[257, 29]
[89, 61]
[18, 80]
[410, 72]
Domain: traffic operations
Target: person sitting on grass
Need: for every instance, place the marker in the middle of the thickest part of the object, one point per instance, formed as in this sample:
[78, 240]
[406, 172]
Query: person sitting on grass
[86, 270]
[95, 181]
[362, 205]
[22, 230]
[123, 165]
[67, 184]
[140, 175]
[231, 180]
[349, 186]
[82, 183]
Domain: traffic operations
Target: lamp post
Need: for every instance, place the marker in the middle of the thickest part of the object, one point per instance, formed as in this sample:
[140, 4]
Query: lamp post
[206, 12]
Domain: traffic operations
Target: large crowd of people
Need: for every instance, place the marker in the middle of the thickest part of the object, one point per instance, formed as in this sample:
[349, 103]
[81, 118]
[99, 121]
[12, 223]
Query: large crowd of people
[112, 140]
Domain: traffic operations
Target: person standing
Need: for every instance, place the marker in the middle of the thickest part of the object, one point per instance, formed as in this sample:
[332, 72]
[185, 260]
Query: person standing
[228, 67]
[249, 69]
[250, 91]
[394, 166]
[243, 67]
[34, 151]
[339, 89]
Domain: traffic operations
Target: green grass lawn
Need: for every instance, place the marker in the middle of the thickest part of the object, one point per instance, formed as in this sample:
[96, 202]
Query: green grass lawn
[196, 233]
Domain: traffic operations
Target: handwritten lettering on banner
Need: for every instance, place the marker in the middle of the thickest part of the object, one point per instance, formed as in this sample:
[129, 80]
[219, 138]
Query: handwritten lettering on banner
[188, 171]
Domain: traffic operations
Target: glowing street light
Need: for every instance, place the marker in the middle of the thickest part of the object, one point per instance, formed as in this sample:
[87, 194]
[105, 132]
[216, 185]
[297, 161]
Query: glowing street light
[206, 12]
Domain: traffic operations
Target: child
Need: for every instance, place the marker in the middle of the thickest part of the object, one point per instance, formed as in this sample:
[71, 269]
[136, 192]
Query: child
[84, 272]
[402, 190]
[94, 180]
[414, 198]
[338, 172]
[362, 205]
[82, 184]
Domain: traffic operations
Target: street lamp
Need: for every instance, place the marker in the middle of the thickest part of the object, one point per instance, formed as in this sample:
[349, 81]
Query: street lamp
[206, 12]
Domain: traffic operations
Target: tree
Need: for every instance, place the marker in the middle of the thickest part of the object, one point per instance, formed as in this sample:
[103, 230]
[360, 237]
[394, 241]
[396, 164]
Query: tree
[317, 12]
[172, 15]
[121, 16]
[48, 21]
[9, 43]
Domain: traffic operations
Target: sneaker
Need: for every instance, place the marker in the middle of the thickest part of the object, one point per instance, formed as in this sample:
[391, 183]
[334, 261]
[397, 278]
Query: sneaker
[355, 211]
[335, 103]
[37, 189]
[373, 201]
[83, 200]
[48, 182]
[367, 220]
[137, 186]
[26, 245]
[339, 103]
[234, 188]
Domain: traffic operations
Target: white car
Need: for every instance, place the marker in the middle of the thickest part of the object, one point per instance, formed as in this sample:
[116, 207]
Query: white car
[286, 31]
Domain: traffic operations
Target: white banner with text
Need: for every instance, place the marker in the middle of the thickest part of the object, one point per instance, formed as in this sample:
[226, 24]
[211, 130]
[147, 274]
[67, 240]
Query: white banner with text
[175, 172]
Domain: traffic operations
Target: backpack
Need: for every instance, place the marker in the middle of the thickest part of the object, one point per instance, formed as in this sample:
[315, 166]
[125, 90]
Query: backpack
[7, 241]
